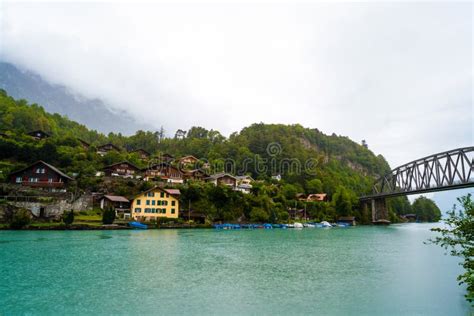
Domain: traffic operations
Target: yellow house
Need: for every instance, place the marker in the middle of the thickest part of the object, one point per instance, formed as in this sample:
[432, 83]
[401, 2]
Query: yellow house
[154, 203]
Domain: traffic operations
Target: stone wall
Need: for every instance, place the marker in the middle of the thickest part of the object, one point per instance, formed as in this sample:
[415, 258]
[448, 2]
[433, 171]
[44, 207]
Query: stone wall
[55, 208]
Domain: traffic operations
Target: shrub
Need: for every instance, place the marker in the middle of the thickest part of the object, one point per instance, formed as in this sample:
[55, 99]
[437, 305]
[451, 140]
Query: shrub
[20, 219]
[68, 217]
[108, 216]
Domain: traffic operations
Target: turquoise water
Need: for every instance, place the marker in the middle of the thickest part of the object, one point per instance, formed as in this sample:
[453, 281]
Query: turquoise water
[354, 271]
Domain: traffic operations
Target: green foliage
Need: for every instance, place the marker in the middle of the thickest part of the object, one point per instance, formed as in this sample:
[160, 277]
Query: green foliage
[68, 217]
[308, 161]
[108, 216]
[258, 215]
[21, 218]
[457, 236]
[426, 210]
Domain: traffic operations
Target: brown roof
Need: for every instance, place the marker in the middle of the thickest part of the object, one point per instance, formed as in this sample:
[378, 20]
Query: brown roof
[122, 162]
[116, 198]
[347, 218]
[109, 144]
[173, 191]
[62, 174]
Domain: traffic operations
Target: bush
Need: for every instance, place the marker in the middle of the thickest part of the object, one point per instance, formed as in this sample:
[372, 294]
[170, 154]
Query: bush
[108, 216]
[20, 219]
[68, 217]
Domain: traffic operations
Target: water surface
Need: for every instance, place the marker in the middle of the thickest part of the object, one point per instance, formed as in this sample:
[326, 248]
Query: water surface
[354, 271]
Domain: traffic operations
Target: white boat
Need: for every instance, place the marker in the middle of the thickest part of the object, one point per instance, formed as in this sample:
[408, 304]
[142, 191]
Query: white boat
[298, 225]
[307, 225]
[326, 224]
[291, 226]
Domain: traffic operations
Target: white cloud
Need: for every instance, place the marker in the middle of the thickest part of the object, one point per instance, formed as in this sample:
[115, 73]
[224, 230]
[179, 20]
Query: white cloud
[398, 75]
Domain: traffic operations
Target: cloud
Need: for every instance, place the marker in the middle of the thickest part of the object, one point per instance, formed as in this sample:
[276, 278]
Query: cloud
[396, 74]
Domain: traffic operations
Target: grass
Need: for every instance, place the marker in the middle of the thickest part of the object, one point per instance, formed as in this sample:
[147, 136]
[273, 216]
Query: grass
[88, 218]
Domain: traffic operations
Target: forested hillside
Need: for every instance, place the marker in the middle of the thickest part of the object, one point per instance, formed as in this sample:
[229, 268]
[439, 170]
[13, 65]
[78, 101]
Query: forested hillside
[308, 160]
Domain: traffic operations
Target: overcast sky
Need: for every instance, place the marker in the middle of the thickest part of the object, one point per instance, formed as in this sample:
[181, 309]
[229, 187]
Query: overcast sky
[396, 74]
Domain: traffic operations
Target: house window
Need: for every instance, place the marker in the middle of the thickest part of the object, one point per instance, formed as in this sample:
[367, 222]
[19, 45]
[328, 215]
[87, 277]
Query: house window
[159, 202]
[138, 210]
[173, 203]
[33, 180]
[139, 202]
[18, 179]
[172, 211]
[167, 195]
[147, 202]
[163, 210]
[147, 210]
[162, 194]
[50, 180]
[153, 202]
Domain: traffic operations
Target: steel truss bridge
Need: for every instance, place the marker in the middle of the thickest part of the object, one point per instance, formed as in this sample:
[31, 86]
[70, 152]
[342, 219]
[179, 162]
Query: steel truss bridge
[449, 170]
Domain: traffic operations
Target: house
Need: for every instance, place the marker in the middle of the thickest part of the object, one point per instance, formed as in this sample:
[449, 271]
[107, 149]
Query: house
[347, 220]
[122, 169]
[196, 174]
[188, 161]
[277, 177]
[142, 153]
[244, 183]
[193, 215]
[39, 134]
[84, 144]
[155, 203]
[104, 149]
[165, 158]
[316, 197]
[41, 175]
[165, 171]
[120, 204]
[222, 179]
[301, 197]
[410, 217]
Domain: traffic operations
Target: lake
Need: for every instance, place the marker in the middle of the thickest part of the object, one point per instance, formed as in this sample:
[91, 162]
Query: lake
[339, 271]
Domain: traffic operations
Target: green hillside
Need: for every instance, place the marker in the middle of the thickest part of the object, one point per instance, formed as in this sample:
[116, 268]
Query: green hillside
[308, 160]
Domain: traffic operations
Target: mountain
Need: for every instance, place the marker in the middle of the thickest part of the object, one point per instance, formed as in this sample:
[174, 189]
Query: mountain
[23, 84]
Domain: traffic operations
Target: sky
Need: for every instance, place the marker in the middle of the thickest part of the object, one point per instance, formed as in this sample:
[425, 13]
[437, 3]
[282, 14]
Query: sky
[397, 74]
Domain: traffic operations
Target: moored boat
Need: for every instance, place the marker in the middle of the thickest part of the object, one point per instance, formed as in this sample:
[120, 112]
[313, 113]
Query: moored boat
[137, 225]
[298, 225]
[326, 224]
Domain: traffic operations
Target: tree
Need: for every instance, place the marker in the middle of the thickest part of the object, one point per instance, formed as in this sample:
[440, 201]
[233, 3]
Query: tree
[314, 186]
[458, 236]
[258, 215]
[68, 217]
[20, 219]
[426, 210]
[108, 216]
[342, 202]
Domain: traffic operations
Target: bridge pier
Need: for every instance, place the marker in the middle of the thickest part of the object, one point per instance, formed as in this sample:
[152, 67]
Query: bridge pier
[379, 211]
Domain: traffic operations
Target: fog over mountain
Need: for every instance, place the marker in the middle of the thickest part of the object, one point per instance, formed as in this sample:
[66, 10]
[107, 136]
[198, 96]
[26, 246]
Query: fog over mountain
[94, 113]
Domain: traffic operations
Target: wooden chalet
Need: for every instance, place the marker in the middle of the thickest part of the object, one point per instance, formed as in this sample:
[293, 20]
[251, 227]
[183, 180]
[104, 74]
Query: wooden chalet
[316, 197]
[84, 144]
[164, 171]
[39, 134]
[41, 175]
[123, 169]
[165, 158]
[104, 149]
[223, 179]
[142, 153]
[196, 174]
[120, 204]
[188, 161]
